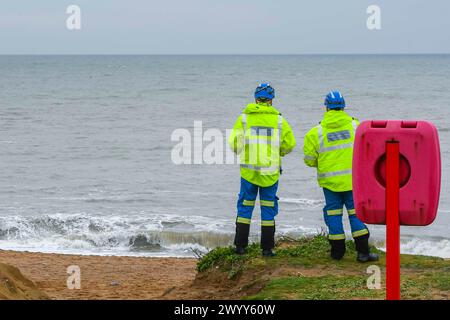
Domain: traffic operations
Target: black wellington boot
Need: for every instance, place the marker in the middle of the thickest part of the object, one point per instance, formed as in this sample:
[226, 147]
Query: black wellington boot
[241, 237]
[337, 249]
[267, 240]
[362, 247]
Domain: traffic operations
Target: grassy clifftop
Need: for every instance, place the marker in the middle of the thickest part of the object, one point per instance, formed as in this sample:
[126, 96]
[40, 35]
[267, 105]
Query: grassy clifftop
[302, 269]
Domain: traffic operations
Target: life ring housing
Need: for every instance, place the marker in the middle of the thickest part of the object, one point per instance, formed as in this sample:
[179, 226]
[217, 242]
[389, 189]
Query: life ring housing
[420, 170]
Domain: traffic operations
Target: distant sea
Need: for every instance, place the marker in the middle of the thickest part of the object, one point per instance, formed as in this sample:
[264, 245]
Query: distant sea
[85, 146]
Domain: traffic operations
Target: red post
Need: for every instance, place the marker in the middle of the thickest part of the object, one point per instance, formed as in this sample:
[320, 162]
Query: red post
[392, 221]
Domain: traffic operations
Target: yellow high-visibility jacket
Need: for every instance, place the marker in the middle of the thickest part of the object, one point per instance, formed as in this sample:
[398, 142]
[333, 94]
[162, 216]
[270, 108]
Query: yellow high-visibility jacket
[261, 136]
[329, 148]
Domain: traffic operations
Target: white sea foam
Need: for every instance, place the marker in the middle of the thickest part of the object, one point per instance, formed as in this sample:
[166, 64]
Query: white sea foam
[150, 235]
[438, 248]
[425, 247]
[81, 234]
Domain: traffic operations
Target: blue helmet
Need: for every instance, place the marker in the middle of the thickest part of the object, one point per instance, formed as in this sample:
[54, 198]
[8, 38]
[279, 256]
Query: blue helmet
[265, 91]
[334, 100]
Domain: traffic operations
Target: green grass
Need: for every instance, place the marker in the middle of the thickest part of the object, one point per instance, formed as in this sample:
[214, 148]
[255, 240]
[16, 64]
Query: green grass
[307, 251]
[317, 288]
[227, 261]
[349, 287]
[312, 248]
[317, 276]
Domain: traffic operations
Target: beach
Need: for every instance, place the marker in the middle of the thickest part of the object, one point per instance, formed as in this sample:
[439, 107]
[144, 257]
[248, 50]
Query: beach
[103, 277]
[301, 270]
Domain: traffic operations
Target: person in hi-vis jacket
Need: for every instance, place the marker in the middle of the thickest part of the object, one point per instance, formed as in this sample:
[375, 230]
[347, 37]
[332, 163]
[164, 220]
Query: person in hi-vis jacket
[329, 148]
[261, 136]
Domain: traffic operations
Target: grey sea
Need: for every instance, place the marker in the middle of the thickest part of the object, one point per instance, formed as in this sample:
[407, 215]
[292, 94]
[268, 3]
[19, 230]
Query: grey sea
[86, 150]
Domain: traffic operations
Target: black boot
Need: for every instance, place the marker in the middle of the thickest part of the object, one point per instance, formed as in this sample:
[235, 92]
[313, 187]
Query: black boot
[362, 247]
[268, 253]
[337, 249]
[241, 237]
[367, 257]
[267, 240]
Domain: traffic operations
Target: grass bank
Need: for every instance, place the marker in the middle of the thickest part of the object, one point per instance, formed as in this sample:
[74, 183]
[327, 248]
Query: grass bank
[302, 269]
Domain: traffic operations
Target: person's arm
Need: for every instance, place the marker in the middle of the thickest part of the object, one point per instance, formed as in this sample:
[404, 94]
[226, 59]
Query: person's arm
[288, 141]
[310, 148]
[236, 139]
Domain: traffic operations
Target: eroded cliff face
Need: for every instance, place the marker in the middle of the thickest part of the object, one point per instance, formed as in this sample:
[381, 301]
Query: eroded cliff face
[14, 286]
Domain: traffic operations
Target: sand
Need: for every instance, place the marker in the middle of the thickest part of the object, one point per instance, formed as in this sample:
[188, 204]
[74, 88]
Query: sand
[101, 277]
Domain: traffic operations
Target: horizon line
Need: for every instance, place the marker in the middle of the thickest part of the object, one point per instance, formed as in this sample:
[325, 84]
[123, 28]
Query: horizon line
[224, 54]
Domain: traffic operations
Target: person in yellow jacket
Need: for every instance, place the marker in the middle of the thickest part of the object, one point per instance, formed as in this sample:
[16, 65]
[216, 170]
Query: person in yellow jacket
[329, 148]
[261, 136]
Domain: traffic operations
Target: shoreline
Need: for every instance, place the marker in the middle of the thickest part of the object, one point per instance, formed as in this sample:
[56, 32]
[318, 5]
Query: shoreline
[103, 277]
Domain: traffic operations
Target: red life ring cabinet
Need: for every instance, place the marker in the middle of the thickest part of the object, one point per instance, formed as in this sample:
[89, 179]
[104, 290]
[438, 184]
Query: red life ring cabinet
[419, 171]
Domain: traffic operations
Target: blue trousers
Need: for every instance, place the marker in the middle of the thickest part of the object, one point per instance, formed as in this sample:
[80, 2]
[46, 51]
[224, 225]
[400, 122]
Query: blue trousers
[267, 198]
[333, 212]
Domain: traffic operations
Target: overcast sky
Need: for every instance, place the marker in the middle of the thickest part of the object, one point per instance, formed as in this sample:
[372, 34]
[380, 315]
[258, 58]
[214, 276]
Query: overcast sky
[224, 27]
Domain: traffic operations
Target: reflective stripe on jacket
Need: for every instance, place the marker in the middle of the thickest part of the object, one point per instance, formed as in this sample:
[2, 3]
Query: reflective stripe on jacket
[329, 148]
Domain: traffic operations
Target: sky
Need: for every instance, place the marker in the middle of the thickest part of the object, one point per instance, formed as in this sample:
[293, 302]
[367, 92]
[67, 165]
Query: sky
[224, 27]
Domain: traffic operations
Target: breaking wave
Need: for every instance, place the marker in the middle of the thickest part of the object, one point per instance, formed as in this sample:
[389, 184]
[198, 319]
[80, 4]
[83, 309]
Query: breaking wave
[438, 248]
[80, 234]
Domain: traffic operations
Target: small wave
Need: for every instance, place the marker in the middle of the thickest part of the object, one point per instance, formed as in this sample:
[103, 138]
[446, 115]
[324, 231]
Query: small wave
[97, 196]
[117, 200]
[310, 203]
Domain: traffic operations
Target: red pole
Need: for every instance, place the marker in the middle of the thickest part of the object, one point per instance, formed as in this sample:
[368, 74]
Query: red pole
[392, 221]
